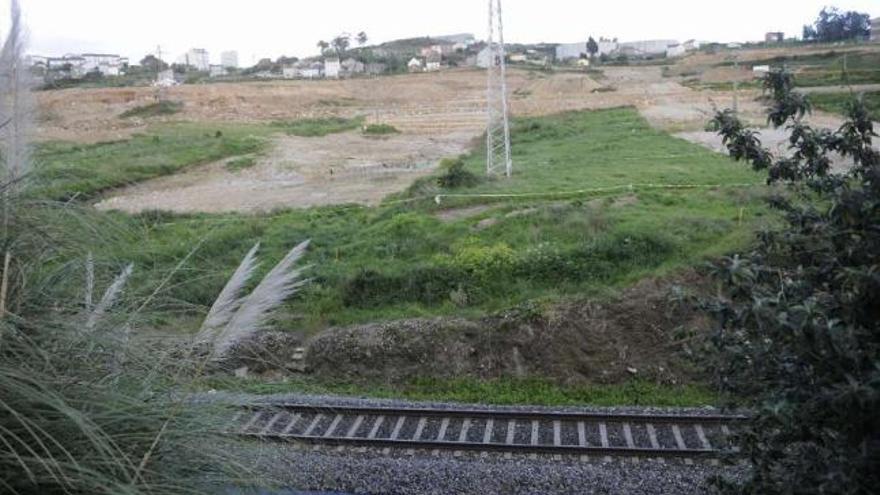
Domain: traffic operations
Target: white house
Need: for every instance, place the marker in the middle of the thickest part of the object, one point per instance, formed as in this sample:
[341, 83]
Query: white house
[229, 59]
[415, 65]
[218, 71]
[196, 58]
[352, 66]
[677, 50]
[332, 67]
[875, 29]
[484, 58]
[571, 51]
[166, 79]
[433, 62]
[106, 64]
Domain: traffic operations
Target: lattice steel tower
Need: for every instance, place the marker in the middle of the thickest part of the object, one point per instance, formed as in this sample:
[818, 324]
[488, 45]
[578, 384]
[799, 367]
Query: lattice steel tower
[498, 131]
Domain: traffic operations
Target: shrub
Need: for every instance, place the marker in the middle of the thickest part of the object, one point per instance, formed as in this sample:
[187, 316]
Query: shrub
[157, 109]
[380, 130]
[455, 175]
[319, 127]
[797, 326]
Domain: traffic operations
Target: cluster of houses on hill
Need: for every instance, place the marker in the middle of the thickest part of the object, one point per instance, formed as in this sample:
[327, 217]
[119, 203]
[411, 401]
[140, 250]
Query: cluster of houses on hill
[632, 49]
[77, 66]
[419, 54]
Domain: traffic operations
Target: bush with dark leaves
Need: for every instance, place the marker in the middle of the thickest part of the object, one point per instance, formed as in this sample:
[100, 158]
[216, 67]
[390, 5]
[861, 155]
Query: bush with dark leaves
[797, 326]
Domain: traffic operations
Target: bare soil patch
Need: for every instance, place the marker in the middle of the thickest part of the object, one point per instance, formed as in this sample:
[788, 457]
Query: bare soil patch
[297, 173]
[641, 333]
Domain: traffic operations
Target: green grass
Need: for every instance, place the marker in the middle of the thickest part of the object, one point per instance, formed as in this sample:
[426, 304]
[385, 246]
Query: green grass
[242, 163]
[827, 68]
[68, 170]
[837, 102]
[380, 130]
[157, 109]
[401, 260]
[608, 148]
[318, 127]
[497, 392]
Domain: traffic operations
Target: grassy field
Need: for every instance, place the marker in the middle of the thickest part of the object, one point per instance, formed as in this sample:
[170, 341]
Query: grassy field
[68, 170]
[414, 258]
[829, 68]
[837, 102]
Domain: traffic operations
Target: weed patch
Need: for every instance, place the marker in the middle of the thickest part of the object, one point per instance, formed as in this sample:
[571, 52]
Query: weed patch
[158, 109]
[318, 127]
[380, 130]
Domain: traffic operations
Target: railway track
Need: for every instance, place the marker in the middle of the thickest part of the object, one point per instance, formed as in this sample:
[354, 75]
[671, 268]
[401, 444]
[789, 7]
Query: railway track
[588, 434]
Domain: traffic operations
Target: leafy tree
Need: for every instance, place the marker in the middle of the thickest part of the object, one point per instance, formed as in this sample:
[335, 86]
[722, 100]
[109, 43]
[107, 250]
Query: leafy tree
[833, 25]
[798, 321]
[341, 44]
[153, 64]
[323, 46]
[592, 47]
[362, 38]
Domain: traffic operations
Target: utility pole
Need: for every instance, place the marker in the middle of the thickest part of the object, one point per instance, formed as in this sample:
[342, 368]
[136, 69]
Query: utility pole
[498, 129]
[736, 84]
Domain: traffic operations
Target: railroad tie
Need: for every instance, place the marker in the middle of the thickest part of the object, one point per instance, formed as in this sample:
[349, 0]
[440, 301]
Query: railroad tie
[704, 441]
[557, 438]
[652, 436]
[395, 433]
[628, 436]
[462, 436]
[268, 428]
[511, 435]
[582, 439]
[603, 437]
[441, 435]
[487, 435]
[420, 428]
[679, 441]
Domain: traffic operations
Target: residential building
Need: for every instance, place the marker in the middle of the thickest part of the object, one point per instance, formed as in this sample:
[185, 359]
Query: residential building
[646, 48]
[676, 50]
[166, 79]
[290, 72]
[415, 65]
[775, 37]
[692, 45]
[76, 66]
[875, 29]
[229, 59]
[433, 62]
[352, 66]
[332, 68]
[218, 70]
[573, 51]
[106, 64]
[484, 58]
[375, 68]
[197, 58]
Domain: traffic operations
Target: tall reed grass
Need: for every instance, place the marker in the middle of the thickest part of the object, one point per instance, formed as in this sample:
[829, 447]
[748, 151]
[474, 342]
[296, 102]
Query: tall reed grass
[87, 404]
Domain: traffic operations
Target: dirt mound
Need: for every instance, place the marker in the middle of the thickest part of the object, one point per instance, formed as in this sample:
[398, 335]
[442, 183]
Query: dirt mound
[640, 334]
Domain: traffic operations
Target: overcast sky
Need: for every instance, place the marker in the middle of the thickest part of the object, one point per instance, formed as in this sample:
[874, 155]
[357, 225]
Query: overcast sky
[269, 28]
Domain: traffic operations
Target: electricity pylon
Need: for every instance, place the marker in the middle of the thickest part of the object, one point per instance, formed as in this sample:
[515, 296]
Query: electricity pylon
[498, 130]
